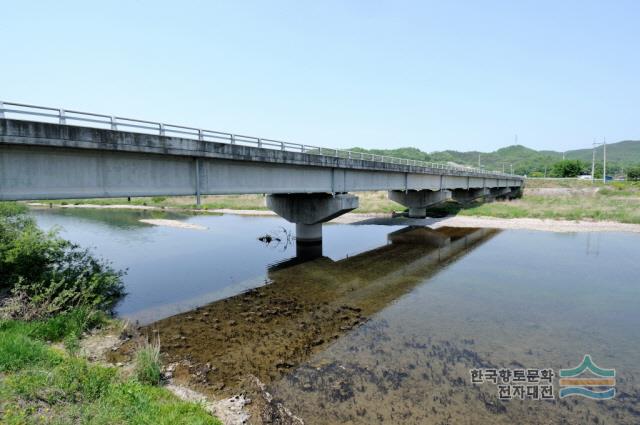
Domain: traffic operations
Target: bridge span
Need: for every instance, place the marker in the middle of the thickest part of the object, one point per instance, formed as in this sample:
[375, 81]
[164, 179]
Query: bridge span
[51, 153]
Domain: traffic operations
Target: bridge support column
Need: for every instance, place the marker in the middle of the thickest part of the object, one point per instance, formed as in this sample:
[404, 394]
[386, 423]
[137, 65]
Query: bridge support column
[500, 192]
[418, 200]
[309, 211]
[516, 192]
[309, 232]
[465, 196]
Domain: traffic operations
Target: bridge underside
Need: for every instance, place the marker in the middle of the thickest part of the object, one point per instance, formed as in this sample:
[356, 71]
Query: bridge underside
[47, 161]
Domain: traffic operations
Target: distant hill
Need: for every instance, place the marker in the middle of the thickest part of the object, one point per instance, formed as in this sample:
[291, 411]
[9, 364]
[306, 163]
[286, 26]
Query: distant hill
[523, 159]
[627, 151]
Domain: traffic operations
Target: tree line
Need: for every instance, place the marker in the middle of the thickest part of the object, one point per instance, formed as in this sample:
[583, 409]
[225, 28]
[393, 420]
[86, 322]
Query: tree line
[575, 168]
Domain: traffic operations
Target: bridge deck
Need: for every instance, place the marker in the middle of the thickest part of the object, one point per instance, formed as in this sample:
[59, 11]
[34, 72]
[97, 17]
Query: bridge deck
[52, 161]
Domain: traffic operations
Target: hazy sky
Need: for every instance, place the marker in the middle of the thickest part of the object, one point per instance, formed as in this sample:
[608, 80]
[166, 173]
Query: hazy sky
[435, 75]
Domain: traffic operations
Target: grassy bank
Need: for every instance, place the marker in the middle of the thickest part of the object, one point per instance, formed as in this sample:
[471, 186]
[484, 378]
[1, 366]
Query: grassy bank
[370, 202]
[45, 383]
[567, 199]
[233, 202]
[51, 294]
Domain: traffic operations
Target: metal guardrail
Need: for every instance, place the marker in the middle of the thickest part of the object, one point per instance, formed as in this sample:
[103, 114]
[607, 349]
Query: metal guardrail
[112, 122]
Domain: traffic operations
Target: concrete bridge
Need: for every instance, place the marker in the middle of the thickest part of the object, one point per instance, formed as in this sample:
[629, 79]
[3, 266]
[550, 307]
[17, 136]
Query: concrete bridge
[43, 156]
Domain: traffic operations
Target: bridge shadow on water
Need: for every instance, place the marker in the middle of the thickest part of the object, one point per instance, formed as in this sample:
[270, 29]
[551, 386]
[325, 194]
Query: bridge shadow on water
[310, 302]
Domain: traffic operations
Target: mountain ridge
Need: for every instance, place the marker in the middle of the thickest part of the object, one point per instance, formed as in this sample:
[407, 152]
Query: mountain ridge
[524, 160]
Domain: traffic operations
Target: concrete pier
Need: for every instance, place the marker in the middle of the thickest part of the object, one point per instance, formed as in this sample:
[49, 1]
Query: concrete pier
[309, 232]
[309, 211]
[418, 200]
[465, 196]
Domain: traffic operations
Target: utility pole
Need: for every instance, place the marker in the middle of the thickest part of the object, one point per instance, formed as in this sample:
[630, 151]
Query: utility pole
[503, 168]
[604, 166]
[593, 162]
[545, 171]
[479, 166]
[511, 168]
[604, 160]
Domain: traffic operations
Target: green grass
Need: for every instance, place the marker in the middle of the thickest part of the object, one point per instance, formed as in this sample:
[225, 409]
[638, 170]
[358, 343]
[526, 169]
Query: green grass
[234, 202]
[18, 351]
[609, 204]
[40, 384]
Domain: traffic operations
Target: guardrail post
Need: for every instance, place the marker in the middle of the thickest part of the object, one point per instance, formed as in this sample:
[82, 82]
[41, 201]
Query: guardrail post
[233, 139]
[63, 120]
[302, 148]
[114, 126]
[200, 135]
[1, 109]
[259, 143]
[161, 126]
[281, 146]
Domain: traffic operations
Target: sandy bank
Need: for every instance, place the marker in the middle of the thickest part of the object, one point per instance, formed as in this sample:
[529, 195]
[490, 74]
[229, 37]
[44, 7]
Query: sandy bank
[95, 206]
[173, 223]
[561, 226]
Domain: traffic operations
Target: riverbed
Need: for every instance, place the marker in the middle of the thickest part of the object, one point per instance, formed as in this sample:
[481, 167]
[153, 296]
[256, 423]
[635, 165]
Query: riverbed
[385, 323]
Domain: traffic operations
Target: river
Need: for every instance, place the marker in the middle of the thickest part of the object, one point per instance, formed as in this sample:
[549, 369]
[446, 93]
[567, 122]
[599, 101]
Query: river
[386, 324]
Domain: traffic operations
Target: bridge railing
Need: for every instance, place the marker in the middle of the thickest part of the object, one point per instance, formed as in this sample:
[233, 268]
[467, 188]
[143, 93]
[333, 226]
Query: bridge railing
[113, 122]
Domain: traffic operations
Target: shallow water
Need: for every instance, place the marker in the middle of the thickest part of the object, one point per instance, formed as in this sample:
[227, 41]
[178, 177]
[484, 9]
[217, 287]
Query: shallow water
[386, 325]
[171, 270]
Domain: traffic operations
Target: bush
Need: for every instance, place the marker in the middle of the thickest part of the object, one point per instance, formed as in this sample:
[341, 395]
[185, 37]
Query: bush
[46, 274]
[633, 174]
[567, 168]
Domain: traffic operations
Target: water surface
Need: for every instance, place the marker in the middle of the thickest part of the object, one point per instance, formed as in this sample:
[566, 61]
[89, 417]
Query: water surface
[384, 327]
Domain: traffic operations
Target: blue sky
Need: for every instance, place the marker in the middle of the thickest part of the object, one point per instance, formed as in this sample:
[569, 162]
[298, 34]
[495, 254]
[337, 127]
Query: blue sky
[434, 75]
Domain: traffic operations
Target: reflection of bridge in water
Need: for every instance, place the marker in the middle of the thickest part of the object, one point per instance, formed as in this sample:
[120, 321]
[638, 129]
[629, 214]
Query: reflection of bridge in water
[308, 304]
[376, 277]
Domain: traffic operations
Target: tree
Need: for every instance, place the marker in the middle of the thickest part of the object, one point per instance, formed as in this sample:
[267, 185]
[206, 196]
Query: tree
[567, 168]
[633, 173]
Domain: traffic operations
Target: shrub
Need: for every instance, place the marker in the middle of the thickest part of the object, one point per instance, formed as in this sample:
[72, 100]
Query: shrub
[47, 274]
[64, 325]
[567, 168]
[633, 174]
